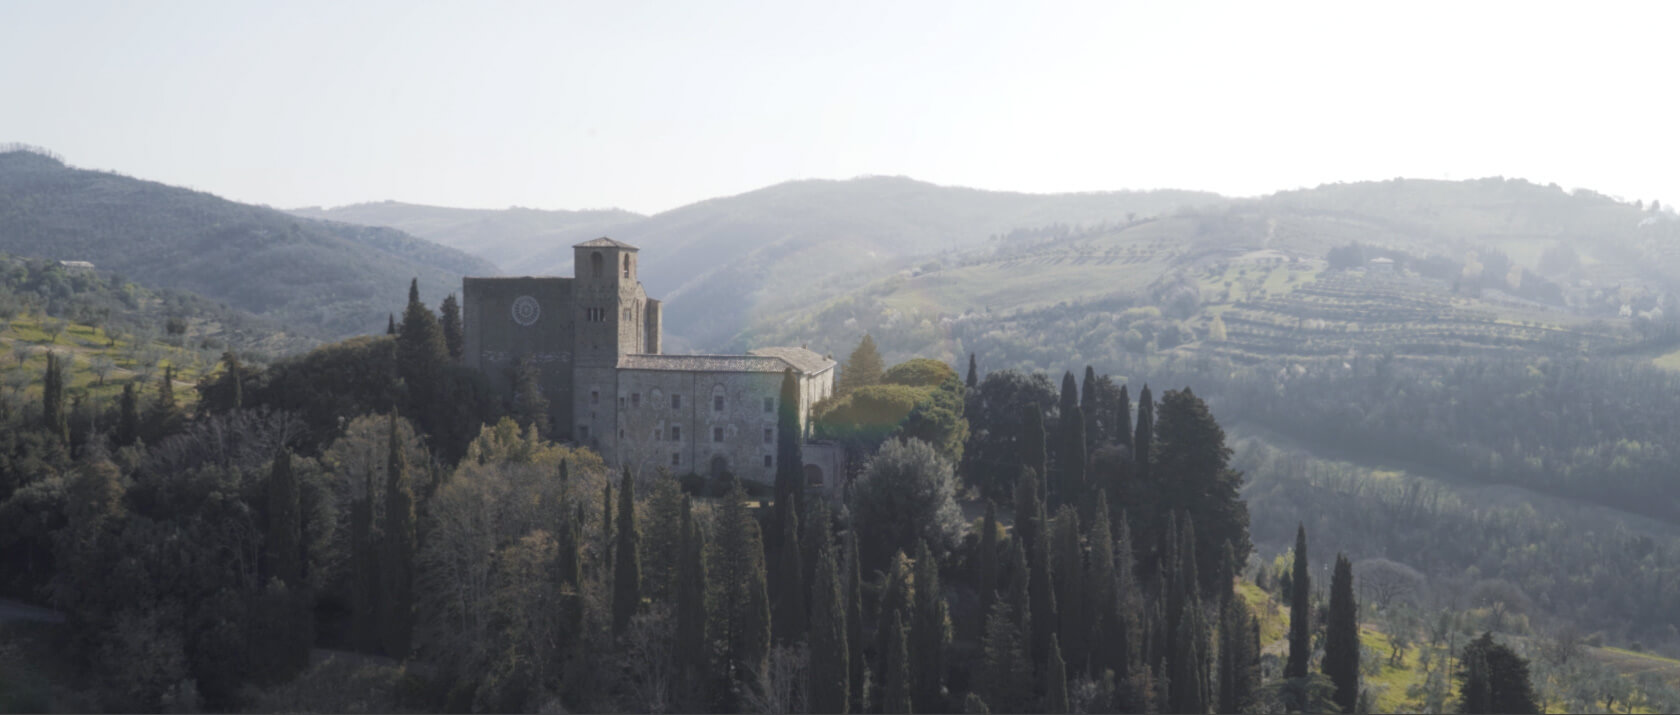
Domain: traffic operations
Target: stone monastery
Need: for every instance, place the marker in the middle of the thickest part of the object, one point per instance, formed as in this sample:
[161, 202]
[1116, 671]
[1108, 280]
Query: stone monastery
[595, 339]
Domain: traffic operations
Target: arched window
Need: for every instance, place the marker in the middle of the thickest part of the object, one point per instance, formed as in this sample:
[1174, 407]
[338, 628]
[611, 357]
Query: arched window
[595, 264]
[626, 266]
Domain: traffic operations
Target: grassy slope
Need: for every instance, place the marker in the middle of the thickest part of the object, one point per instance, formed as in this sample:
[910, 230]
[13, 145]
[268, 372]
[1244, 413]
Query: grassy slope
[83, 345]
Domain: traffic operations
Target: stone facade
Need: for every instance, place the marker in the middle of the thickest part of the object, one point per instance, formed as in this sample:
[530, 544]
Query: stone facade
[596, 339]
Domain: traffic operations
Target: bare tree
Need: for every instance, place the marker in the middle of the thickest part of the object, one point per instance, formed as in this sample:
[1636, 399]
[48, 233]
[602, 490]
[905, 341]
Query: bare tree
[1383, 582]
[780, 683]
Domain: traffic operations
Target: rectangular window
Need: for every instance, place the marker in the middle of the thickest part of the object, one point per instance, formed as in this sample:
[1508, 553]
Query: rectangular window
[658, 435]
[769, 435]
[583, 433]
[717, 434]
[621, 402]
[676, 458]
[676, 402]
[717, 403]
[769, 404]
[594, 397]
[676, 433]
[769, 461]
[635, 399]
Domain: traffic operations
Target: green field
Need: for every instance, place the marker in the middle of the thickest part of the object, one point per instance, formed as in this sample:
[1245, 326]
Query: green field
[26, 340]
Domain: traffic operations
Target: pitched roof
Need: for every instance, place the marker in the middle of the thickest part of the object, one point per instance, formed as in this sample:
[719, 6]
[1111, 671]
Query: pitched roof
[604, 242]
[763, 360]
[801, 359]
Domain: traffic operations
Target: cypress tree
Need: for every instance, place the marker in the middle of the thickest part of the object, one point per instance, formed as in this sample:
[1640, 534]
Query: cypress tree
[1088, 407]
[53, 416]
[740, 608]
[1033, 454]
[930, 634]
[530, 405]
[1072, 595]
[790, 462]
[895, 604]
[284, 537]
[398, 538]
[1475, 692]
[854, 622]
[1129, 603]
[1020, 590]
[895, 664]
[829, 687]
[1070, 395]
[1300, 610]
[391, 324]
[1238, 675]
[1055, 686]
[1190, 461]
[1104, 634]
[691, 645]
[1041, 588]
[608, 543]
[421, 354]
[569, 536]
[988, 563]
[818, 525]
[1144, 435]
[1341, 637]
[1123, 420]
[364, 578]
[128, 423]
[1188, 666]
[449, 319]
[788, 615]
[1005, 675]
[1073, 460]
[1027, 506]
[1494, 679]
[627, 565]
[973, 373]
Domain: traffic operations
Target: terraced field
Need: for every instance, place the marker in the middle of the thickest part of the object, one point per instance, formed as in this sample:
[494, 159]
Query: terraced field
[1339, 313]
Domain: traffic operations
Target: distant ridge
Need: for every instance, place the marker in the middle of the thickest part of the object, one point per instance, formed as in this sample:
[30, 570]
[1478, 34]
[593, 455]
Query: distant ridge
[338, 278]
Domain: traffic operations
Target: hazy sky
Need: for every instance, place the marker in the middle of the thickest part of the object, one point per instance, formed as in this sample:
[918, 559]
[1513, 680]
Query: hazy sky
[648, 106]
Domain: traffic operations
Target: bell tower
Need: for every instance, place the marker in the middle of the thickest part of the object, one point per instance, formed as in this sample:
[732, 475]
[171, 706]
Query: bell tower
[610, 302]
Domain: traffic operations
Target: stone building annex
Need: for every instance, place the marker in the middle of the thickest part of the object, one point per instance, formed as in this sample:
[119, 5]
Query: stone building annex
[595, 339]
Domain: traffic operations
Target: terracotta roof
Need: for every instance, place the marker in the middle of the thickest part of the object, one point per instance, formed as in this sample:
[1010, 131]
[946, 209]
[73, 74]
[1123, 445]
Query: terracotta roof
[764, 360]
[604, 242]
[801, 359]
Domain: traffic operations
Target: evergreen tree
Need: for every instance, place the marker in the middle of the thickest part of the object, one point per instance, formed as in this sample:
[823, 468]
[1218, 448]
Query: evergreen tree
[1123, 420]
[863, 368]
[854, 622]
[790, 461]
[829, 687]
[896, 603]
[1094, 423]
[391, 324]
[1105, 635]
[1005, 675]
[1027, 506]
[284, 538]
[364, 577]
[1072, 594]
[988, 559]
[973, 373]
[1300, 611]
[1238, 658]
[1190, 458]
[1019, 599]
[1033, 454]
[1070, 395]
[627, 565]
[449, 319]
[54, 419]
[1041, 588]
[895, 666]
[1187, 667]
[1056, 689]
[128, 421]
[1128, 641]
[1341, 637]
[1073, 453]
[398, 536]
[1144, 491]
[163, 415]
[788, 615]
[233, 377]
[740, 608]
[421, 356]
[569, 538]
[691, 648]
[608, 543]
[530, 405]
[930, 635]
[1494, 679]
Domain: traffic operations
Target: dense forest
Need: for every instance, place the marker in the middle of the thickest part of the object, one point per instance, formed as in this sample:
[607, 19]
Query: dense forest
[329, 507]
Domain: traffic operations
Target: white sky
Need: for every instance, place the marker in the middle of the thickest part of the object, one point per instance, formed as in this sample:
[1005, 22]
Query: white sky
[648, 106]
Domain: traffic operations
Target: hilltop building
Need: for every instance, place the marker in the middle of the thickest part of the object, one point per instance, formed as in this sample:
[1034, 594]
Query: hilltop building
[595, 339]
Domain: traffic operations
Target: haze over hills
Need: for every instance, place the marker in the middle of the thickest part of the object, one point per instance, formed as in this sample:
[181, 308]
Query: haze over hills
[510, 238]
[329, 278]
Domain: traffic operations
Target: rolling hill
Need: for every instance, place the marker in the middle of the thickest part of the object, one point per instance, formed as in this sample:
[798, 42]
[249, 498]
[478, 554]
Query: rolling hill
[329, 278]
[512, 238]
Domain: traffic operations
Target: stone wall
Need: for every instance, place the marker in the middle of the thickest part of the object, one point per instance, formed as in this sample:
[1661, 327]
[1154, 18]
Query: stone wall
[504, 318]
